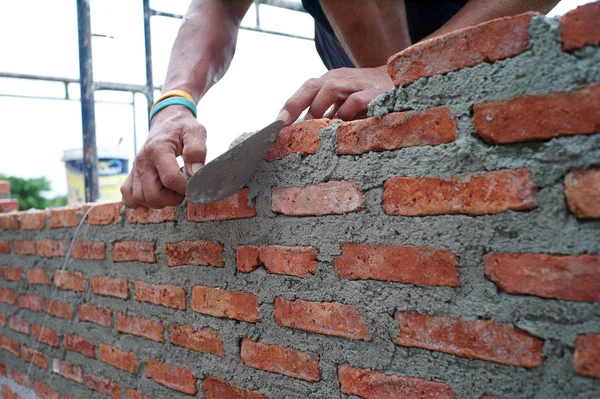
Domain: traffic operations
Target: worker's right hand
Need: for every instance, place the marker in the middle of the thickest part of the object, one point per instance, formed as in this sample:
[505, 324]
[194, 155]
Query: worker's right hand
[155, 180]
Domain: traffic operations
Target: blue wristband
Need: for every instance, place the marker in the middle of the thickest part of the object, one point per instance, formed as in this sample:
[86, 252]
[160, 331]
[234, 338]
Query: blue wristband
[173, 101]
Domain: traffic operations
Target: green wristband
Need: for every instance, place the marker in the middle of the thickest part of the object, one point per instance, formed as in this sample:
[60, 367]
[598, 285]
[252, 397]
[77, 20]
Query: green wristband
[173, 101]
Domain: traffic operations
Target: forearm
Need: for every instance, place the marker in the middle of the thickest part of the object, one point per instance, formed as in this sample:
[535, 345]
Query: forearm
[205, 45]
[478, 11]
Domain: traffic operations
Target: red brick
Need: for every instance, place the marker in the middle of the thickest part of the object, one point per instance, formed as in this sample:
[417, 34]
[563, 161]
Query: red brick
[10, 346]
[69, 281]
[587, 355]
[132, 251]
[78, 344]
[9, 221]
[103, 214]
[20, 377]
[133, 394]
[332, 198]
[140, 326]
[205, 340]
[397, 130]
[171, 376]
[30, 301]
[88, 250]
[216, 388]
[198, 253]
[3, 370]
[571, 278]
[487, 42]
[7, 296]
[44, 390]
[25, 247]
[221, 303]
[103, 385]
[31, 355]
[281, 360]
[37, 276]
[582, 189]
[539, 117]
[292, 261]
[233, 207]
[68, 371]
[482, 193]
[579, 27]
[45, 335]
[12, 273]
[301, 137]
[151, 215]
[32, 220]
[94, 314]
[58, 309]
[116, 357]
[9, 205]
[19, 325]
[4, 247]
[402, 264]
[107, 286]
[168, 295]
[479, 339]
[8, 394]
[4, 187]
[2, 319]
[63, 217]
[329, 318]
[50, 249]
[375, 384]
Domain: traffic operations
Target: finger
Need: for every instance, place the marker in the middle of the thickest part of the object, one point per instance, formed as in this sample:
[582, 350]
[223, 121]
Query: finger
[331, 113]
[127, 192]
[301, 99]
[331, 92]
[354, 104]
[194, 149]
[138, 192]
[169, 173]
[158, 196]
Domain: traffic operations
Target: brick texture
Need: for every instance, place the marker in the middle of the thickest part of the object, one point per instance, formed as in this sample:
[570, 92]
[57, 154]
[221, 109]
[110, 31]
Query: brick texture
[4, 247]
[108, 286]
[171, 376]
[33, 220]
[582, 189]
[375, 384]
[281, 360]
[203, 340]
[8, 296]
[8, 205]
[168, 295]
[63, 217]
[10, 346]
[222, 303]
[330, 318]
[579, 27]
[44, 391]
[116, 357]
[94, 314]
[133, 394]
[45, 335]
[472, 194]
[479, 339]
[571, 278]
[140, 326]
[397, 130]
[134, 251]
[24, 247]
[539, 117]
[20, 378]
[69, 281]
[150, 216]
[332, 198]
[8, 394]
[4, 187]
[82, 345]
[19, 325]
[103, 385]
[9, 222]
[291, 261]
[587, 355]
[68, 371]
[58, 309]
[50, 248]
[88, 250]
[31, 355]
[216, 388]
[30, 301]
[37, 276]
[12, 273]
[402, 264]
[301, 137]
[487, 42]
[198, 253]
[102, 214]
[236, 206]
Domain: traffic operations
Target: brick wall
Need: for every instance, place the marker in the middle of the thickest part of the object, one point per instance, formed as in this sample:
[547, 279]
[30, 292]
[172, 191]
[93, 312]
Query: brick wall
[447, 247]
[7, 204]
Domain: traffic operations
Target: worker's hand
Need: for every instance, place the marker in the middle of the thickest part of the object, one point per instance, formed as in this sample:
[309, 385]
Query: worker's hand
[348, 90]
[155, 180]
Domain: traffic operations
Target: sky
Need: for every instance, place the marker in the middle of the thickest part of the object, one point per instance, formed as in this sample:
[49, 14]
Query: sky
[266, 70]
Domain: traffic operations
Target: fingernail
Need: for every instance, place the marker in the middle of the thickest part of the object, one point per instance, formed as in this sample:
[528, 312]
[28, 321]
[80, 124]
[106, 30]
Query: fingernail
[196, 167]
[284, 115]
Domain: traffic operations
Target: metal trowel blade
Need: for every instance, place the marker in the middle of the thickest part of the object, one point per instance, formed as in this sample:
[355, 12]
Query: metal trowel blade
[232, 170]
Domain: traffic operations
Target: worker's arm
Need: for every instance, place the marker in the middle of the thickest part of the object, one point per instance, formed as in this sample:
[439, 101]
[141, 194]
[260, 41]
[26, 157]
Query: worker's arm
[200, 56]
[371, 32]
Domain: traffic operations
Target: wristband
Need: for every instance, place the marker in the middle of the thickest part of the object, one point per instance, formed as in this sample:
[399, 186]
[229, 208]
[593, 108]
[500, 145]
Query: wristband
[174, 93]
[173, 101]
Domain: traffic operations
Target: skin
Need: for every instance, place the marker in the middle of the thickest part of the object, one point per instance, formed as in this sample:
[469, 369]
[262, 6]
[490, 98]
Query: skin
[205, 46]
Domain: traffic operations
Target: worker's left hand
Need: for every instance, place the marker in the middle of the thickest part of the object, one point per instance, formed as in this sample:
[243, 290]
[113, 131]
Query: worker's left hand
[348, 90]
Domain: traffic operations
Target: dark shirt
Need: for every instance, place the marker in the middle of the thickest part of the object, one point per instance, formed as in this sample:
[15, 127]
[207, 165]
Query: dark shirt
[424, 17]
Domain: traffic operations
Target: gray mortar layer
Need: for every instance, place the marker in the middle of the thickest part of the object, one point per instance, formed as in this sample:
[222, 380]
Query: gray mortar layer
[549, 228]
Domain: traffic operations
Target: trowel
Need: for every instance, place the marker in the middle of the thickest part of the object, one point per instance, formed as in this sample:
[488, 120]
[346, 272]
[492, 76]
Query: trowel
[231, 171]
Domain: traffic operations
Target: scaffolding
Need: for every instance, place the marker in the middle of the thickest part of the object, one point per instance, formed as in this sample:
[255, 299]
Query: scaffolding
[88, 86]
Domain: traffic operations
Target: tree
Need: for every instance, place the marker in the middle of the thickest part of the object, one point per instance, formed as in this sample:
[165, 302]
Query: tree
[29, 193]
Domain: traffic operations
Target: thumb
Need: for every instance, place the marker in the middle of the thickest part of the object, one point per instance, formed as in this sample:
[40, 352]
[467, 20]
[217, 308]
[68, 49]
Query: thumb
[194, 149]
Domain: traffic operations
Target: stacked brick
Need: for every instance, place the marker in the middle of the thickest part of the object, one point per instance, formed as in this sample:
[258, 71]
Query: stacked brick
[376, 279]
[7, 204]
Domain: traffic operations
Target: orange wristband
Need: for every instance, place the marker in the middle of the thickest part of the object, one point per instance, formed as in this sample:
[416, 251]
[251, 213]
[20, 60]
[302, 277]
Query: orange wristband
[174, 93]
